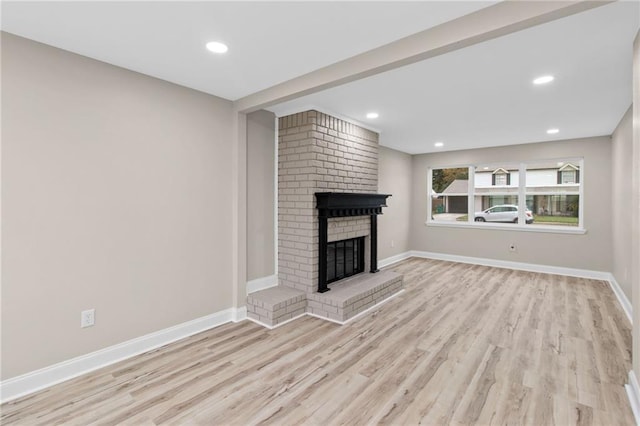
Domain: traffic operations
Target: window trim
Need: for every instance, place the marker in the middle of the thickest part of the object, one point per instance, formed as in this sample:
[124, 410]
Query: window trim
[552, 229]
[522, 200]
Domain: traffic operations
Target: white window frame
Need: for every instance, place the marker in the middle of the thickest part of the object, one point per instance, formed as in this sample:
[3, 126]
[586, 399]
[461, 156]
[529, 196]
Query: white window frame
[522, 201]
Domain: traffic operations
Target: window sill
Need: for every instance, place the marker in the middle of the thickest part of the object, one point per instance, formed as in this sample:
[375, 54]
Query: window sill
[551, 229]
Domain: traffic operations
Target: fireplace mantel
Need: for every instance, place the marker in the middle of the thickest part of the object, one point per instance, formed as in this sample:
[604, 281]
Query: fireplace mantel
[345, 204]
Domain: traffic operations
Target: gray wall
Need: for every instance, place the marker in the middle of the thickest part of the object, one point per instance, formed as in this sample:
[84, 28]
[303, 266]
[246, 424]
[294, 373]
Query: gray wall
[394, 177]
[590, 251]
[621, 216]
[115, 196]
[261, 130]
[635, 209]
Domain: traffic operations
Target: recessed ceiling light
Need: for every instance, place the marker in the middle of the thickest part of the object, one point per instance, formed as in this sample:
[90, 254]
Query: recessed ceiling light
[217, 47]
[372, 115]
[552, 131]
[485, 168]
[543, 79]
[438, 144]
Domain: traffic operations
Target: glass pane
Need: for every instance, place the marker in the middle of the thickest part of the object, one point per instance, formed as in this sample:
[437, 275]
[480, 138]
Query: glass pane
[348, 267]
[331, 262]
[555, 209]
[450, 194]
[340, 259]
[553, 192]
[496, 193]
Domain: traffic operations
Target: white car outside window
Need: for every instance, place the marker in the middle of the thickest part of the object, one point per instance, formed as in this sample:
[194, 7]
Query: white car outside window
[502, 213]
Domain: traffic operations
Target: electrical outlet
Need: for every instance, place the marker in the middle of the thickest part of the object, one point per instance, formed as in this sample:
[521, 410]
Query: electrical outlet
[393, 244]
[87, 318]
[513, 248]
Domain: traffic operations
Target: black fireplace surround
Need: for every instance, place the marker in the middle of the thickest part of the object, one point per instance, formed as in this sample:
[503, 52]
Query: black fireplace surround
[343, 204]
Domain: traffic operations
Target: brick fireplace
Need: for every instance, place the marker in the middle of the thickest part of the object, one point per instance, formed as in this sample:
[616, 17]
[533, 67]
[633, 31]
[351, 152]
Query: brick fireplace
[318, 153]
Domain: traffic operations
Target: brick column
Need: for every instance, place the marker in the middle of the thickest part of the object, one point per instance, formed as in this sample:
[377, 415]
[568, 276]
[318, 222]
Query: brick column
[318, 152]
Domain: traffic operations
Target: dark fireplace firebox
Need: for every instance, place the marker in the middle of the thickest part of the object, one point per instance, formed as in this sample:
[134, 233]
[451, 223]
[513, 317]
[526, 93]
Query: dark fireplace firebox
[340, 204]
[345, 258]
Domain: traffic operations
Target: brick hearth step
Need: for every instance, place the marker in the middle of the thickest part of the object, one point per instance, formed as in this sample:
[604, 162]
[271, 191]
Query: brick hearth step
[351, 296]
[347, 298]
[275, 305]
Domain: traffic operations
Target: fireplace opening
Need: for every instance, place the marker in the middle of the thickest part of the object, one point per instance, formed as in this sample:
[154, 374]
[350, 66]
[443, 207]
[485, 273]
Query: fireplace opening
[344, 258]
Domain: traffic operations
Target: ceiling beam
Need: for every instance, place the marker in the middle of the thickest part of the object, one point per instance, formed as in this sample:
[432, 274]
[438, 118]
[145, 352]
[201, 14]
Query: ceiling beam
[485, 24]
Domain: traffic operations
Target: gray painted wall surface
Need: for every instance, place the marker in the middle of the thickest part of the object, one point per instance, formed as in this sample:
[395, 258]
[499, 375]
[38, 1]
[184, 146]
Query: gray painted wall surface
[115, 195]
[260, 194]
[394, 177]
[635, 208]
[621, 187]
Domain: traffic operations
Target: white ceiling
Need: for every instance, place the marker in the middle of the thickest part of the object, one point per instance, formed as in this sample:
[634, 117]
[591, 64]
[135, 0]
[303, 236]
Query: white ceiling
[483, 95]
[475, 97]
[269, 42]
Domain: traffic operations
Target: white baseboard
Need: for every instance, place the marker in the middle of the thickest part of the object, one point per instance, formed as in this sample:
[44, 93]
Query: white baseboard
[633, 392]
[622, 298]
[40, 379]
[394, 259]
[520, 266]
[262, 283]
[239, 314]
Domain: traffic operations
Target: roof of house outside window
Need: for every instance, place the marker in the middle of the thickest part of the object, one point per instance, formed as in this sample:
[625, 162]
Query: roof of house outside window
[457, 187]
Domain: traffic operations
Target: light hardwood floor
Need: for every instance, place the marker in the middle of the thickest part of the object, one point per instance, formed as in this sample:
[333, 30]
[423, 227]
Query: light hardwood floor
[464, 344]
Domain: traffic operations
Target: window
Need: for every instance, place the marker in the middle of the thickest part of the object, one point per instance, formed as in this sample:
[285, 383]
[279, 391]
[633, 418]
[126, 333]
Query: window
[554, 202]
[500, 179]
[569, 176]
[543, 195]
[495, 192]
[450, 194]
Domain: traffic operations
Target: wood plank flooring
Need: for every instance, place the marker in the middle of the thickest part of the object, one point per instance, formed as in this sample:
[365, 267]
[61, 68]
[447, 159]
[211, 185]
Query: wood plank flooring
[463, 345]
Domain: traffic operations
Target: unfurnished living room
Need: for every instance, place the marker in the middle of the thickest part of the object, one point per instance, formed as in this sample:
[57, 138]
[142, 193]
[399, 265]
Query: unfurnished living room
[320, 213]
